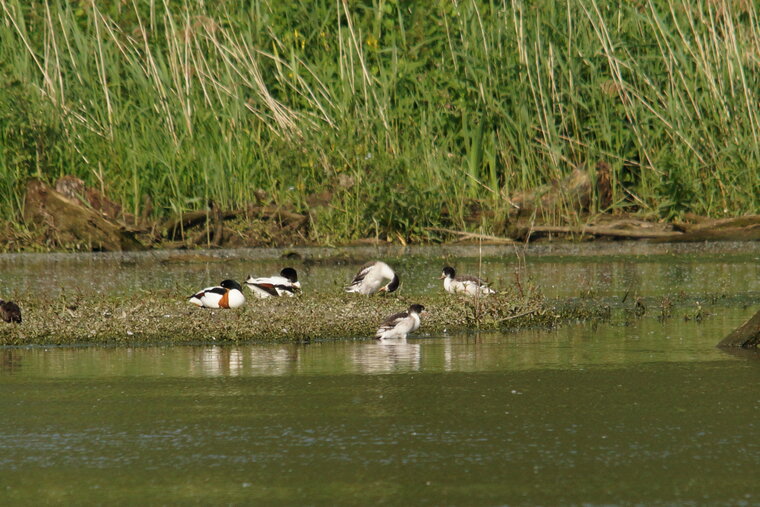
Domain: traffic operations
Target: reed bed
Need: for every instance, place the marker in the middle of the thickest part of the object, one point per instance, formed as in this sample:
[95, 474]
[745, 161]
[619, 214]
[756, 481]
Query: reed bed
[400, 116]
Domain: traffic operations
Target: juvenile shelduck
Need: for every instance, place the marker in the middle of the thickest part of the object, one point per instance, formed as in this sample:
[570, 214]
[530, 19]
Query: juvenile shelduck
[372, 277]
[470, 285]
[227, 295]
[286, 284]
[10, 312]
[400, 324]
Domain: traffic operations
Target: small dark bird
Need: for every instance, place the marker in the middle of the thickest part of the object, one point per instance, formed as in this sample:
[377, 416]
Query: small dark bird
[10, 312]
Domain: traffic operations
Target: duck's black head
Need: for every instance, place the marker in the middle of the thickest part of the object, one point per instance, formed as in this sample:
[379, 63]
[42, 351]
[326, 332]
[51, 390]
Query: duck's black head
[393, 285]
[290, 274]
[448, 271]
[418, 309]
[231, 284]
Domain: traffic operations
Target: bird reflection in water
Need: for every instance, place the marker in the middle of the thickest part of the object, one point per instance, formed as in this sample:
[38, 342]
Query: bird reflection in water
[219, 361]
[388, 356]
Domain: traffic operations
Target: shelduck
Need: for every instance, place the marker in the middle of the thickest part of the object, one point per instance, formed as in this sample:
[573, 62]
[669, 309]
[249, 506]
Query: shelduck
[227, 294]
[470, 285]
[286, 284]
[375, 276]
[400, 324]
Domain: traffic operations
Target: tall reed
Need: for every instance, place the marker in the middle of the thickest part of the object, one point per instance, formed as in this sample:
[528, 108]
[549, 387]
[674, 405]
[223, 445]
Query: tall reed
[406, 112]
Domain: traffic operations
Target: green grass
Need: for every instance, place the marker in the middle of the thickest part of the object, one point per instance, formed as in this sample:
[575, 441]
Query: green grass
[407, 112]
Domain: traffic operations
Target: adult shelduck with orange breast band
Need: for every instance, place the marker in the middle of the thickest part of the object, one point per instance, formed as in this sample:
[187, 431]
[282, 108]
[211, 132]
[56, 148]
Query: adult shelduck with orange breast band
[227, 295]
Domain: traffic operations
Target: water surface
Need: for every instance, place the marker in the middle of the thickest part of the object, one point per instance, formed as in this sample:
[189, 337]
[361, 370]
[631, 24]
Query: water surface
[600, 270]
[635, 411]
[650, 413]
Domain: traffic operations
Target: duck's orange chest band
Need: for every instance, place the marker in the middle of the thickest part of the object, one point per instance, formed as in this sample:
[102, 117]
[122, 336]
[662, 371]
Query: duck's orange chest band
[225, 301]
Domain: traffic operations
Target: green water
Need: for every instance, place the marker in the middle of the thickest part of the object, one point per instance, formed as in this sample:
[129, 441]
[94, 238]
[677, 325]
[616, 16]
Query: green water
[599, 270]
[637, 411]
[650, 413]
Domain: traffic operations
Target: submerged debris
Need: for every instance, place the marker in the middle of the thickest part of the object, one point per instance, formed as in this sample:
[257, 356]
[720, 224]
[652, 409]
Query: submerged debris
[745, 336]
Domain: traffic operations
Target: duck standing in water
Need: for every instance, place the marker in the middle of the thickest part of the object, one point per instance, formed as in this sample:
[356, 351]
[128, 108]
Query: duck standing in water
[227, 295]
[470, 285]
[10, 311]
[286, 284]
[400, 324]
[375, 276]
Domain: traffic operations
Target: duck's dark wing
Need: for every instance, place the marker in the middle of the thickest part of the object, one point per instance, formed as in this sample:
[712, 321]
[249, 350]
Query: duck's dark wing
[287, 288]
[269, 288]
[390, 322]
[214, 290]
[363, 271]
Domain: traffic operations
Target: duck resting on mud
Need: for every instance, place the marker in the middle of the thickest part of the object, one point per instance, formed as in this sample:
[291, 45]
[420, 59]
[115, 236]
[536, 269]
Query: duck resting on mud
[286, 284]
[227, 294]
[375, 276]
[470, 285]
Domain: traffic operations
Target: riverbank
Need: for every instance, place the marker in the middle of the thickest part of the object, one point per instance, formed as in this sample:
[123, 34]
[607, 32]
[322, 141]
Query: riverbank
[377, 121]
[74, 217]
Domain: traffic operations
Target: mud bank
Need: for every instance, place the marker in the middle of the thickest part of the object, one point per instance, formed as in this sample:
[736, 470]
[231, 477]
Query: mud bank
[166, 318]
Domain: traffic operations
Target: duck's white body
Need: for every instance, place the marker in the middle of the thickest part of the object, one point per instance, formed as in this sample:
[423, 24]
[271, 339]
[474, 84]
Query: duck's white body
[470, 285]
[374, 277]
[397, 326]
[272, 286]
[286, 284]
[219, 297]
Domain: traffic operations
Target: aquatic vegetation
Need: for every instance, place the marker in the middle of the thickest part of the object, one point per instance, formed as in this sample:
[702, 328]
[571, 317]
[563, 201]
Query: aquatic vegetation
[166, 317]
[390, 120]
[163, 317]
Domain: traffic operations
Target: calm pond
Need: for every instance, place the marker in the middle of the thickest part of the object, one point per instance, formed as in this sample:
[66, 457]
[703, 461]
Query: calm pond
[634, 411]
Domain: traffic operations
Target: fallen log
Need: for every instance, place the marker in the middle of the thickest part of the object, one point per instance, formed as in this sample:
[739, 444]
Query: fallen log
[749, 233]
[465, 235]
[283, 216]
[175, 227]
[592, 230]
[745, 336]
[732, 229]
[746, 228]
[704, 223]
[67, 222]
